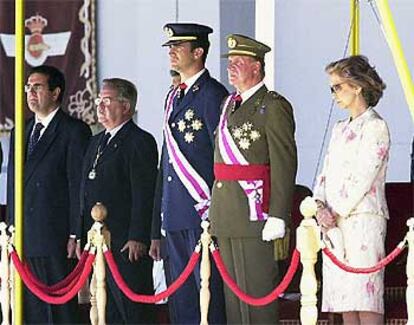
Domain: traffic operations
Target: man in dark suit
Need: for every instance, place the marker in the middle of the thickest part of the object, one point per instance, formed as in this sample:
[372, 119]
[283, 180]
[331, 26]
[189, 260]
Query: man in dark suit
[119, 170]
[55, 144]
[192, 112]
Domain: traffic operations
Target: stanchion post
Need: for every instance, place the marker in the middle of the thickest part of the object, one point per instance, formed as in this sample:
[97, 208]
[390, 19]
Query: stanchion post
[98, 236]
[4, 274]
[12, 273]
[410, 272]
[205, 272]
[308, 245]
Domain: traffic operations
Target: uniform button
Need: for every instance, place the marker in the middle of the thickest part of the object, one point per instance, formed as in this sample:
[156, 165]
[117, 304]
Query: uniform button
[169, 161]
[173, 125]
[169, 178]
[219, 184]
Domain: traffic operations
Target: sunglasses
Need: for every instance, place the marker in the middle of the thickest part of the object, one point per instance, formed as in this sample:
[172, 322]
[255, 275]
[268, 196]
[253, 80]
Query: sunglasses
[337, 88]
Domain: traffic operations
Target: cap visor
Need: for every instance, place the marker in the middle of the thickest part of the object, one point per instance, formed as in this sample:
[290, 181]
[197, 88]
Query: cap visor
[173, 42]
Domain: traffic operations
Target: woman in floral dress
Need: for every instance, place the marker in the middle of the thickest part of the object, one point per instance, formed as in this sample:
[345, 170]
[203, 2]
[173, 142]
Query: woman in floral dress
[350, 194]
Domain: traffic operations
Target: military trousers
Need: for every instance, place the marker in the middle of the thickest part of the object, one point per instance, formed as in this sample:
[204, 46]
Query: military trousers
[251, 263]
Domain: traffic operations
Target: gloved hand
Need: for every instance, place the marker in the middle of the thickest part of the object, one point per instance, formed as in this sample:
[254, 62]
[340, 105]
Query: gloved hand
[274, 228]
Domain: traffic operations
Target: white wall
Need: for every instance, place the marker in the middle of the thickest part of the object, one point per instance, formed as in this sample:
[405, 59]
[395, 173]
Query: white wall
[309, 34]
[130, 35]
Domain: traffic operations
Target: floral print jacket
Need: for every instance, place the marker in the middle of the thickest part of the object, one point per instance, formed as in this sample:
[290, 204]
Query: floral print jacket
[352, 180]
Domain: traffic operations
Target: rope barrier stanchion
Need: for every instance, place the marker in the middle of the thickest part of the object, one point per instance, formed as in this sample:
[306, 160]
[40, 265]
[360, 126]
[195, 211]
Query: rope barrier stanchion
[152, 299]
[243, 296]
[99, 237]
[12, 272]
[4, 274]
[308, 244]
[205, 272]
[410, 272]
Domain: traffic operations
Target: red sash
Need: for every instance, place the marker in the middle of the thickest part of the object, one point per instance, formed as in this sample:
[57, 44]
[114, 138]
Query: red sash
[252, 172]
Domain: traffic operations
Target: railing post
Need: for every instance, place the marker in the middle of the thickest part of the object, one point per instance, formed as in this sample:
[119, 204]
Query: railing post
[308, 244]
[205, 272]
[410, 272]
[5, 274]
[12, 273]
[98, 236]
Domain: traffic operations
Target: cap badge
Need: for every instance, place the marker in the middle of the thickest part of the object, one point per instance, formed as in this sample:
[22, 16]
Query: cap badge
[169, 31]
[231, 43]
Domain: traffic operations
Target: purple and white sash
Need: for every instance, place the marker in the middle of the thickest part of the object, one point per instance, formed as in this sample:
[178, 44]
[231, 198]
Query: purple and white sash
[192, 181]
[232, 156]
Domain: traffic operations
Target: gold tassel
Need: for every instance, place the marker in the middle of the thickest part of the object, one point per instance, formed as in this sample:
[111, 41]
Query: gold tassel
[281, 247]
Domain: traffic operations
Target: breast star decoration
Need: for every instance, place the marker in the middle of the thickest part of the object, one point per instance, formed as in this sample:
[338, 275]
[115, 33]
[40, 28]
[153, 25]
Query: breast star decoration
[245, 135]
[189, 125]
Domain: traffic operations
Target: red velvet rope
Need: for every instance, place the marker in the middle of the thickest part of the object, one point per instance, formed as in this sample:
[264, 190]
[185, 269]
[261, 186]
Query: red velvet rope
[381, 264]
[150, 299]
[46, 297]
[64, 285]
[262, 301]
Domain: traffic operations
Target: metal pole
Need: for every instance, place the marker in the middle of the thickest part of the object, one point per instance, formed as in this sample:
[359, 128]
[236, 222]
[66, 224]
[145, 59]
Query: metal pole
[354, 49]
[19, 152]
[394, 43]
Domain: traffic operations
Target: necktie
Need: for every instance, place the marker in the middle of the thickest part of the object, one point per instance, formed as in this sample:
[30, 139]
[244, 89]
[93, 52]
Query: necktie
[237, 99]
[34, 138]
[180, 93]
[104, 141]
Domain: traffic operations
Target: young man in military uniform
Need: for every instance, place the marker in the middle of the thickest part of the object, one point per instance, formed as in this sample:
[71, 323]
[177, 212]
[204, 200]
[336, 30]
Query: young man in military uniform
[255, 167]
[192, 111]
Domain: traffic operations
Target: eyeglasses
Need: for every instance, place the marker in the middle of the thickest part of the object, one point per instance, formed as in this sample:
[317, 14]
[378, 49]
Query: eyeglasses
[337, 88]
[35, 88]
[106, 101]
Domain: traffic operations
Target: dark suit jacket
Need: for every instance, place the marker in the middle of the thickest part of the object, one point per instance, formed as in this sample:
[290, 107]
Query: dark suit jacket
[172, 199]
[51, 185]
[124, 183]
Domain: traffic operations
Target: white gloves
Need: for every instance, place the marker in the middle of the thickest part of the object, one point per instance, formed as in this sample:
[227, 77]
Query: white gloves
[274, 228]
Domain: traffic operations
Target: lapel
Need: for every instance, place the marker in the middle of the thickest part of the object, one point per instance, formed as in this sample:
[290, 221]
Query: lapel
[247, 108]
[190, 95]
[116, 142]
[43, 145]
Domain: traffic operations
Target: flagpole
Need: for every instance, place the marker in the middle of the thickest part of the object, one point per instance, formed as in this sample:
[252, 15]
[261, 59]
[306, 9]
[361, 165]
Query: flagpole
[394, 43]
[354, 50]
[19, 154]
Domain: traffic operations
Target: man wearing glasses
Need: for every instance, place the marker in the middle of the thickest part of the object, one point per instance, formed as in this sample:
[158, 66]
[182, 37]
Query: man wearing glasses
[54, 147]
[119, 170]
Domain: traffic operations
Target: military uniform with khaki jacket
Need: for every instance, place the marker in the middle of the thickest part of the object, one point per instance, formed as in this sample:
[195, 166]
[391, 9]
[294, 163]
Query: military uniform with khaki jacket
[263, 130]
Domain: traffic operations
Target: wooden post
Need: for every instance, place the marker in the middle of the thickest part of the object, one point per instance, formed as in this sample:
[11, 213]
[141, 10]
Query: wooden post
[308, 244]
[205, 273]
[98, 236]
[93, 313]
[410, 272]
[12, 273]
[4, 275]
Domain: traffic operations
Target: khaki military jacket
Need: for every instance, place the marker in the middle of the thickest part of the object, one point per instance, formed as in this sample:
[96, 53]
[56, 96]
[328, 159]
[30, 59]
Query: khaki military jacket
[263, 128]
